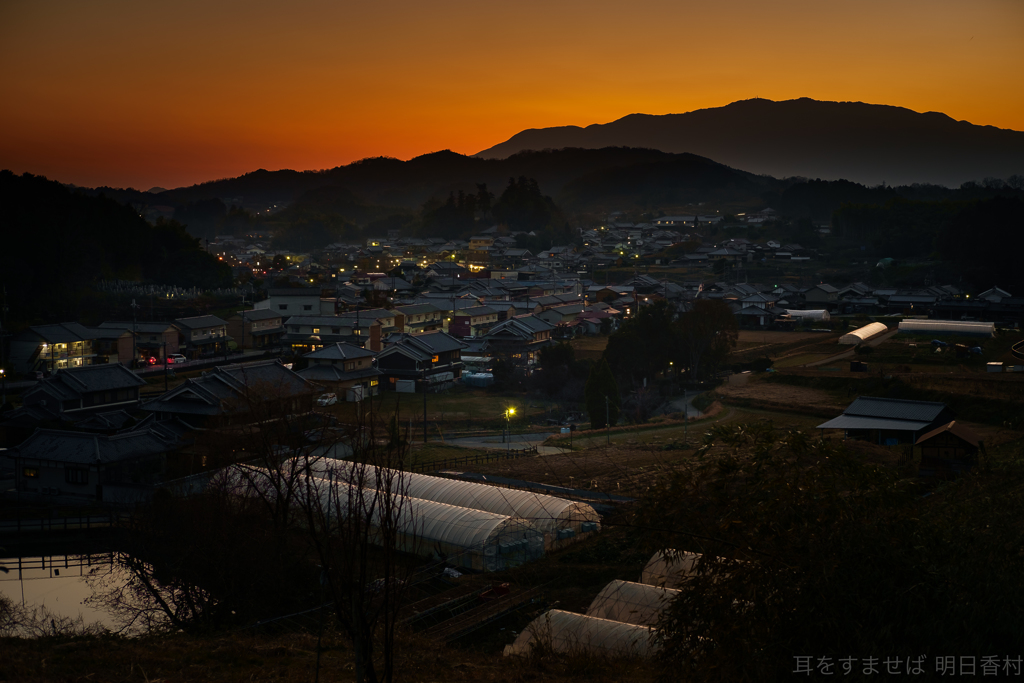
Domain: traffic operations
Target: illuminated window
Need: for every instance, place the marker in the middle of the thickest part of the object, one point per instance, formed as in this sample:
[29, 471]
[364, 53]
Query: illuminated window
[316, 330]
[31, 472]
[435, 359]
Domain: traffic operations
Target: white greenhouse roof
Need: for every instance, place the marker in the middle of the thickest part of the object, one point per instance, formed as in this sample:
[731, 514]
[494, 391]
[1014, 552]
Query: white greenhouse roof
[631, 603]
[425, 527]
[577, 633]
[863, 333]
[545, 512]
[820, 314]
[430, 521]
[947, 326]
[667, 568]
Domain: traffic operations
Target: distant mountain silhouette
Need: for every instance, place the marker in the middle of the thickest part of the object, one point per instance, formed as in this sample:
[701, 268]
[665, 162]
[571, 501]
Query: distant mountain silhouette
[866, 143]
[579, 178]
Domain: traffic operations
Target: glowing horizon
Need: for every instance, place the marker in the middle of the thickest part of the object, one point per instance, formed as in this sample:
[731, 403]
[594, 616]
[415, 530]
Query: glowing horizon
[172, 94]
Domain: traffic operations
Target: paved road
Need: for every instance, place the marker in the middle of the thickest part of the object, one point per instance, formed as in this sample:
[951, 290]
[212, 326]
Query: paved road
[684, 404]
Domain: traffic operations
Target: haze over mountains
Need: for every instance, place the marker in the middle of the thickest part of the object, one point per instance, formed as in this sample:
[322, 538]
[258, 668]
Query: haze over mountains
[865, 143]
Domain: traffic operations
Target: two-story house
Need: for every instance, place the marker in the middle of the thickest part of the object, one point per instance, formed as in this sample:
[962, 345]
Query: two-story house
[520, 339]
[289, 301]
[430, 361]
[424, 317]
[344, 368]
[305, 334]
[51, 347]
[152, 339]
[473, 321]
[202, 336]
[479, 253]
[256, 329]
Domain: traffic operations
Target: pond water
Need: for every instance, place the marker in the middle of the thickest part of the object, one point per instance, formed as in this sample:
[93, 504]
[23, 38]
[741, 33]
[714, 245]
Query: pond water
[60, 586]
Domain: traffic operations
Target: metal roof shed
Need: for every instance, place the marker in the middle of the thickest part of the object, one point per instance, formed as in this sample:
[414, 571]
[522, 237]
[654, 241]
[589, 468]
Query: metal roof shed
[578, 633]
[889, 421]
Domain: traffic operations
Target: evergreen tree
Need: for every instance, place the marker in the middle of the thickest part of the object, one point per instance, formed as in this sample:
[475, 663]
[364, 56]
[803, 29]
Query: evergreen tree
[601, 384]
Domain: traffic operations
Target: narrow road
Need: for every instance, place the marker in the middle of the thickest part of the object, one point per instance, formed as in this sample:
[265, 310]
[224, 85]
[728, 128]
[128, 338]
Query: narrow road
[684, 404]
[497, 442]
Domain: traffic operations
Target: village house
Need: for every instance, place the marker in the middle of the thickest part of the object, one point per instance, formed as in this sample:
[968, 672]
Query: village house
[822, 296]
[345, 369]
[472, 321]
[291, 301]
[152, 339]
[520, 339]
[235, 394]
[256, 329]
[70, 467]
[428, 361]
[202, 336]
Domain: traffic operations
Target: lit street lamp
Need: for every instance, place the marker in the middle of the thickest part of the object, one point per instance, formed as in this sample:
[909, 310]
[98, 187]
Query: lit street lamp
[508, 428]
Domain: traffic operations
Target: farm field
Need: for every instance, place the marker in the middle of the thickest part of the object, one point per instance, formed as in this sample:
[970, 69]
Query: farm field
[458, 408]
[589, 348]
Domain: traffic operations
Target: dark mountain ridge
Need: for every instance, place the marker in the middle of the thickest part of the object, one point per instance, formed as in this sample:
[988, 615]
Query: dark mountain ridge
[866, 143]
[388, 182]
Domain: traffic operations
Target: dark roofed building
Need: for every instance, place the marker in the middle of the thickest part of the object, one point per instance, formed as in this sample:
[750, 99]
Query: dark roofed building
[75, 392]
[421, 317]
[473, 321]
[202, 336]
[342, 367]
[152, 339]
[256, 329]
[51, 347]
[889, 421]
[520, 339]
[429, 360]
[948, 450]
[84, 467]
[235, 394]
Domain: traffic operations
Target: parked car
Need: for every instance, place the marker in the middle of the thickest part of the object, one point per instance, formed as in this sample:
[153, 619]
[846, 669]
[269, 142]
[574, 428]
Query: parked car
[327, 400]
[175, 358]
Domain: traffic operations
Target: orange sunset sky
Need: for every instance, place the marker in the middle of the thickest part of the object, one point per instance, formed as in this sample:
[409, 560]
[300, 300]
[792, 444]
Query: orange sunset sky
[143, 93]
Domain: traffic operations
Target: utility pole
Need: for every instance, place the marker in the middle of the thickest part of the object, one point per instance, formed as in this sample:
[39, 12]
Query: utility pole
[607, 420]
[3, 349]
[135, 334]
[425, 404]
[165, 367]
